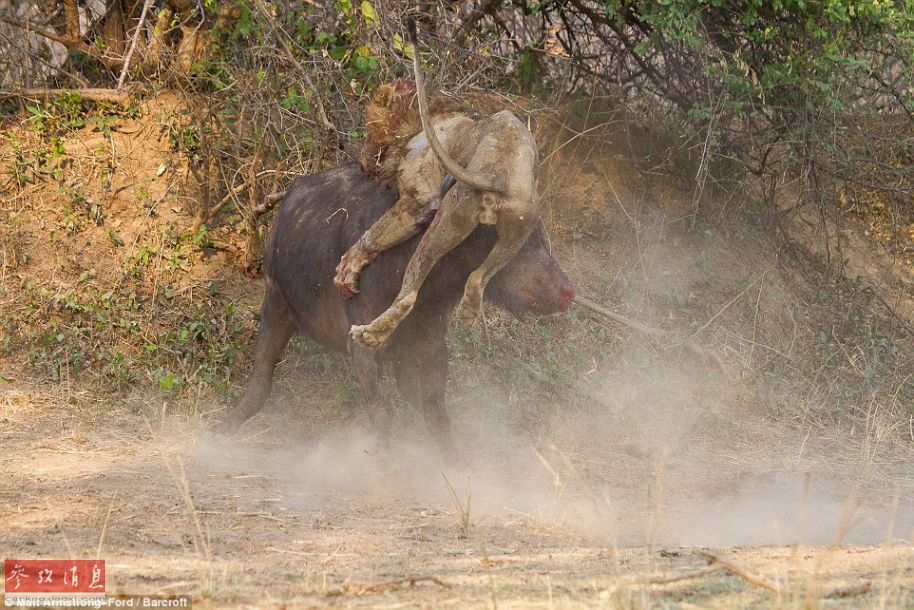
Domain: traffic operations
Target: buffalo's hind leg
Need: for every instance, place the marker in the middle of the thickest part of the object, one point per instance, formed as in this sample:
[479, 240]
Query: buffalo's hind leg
[277, 326]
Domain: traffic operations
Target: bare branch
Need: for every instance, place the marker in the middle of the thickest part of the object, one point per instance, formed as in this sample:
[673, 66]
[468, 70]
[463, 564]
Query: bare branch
[486, 8]
[136, 36]
[319, 105]
[121, 97]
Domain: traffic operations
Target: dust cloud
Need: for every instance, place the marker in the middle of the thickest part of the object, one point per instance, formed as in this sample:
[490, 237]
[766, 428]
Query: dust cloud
[654, 460]
[650, 448]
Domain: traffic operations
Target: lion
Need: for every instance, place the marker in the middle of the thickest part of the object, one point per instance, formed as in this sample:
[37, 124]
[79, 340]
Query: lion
[493, 164]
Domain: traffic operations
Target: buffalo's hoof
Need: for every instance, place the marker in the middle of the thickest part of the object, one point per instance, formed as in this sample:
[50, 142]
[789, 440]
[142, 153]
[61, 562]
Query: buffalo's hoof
[226, 427]
[369, 337]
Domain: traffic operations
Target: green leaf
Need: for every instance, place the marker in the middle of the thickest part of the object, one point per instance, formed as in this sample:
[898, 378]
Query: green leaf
[406, 49]
[167, 382]
[362, 64]
[244, 21]
[302, 29]
[369, 13]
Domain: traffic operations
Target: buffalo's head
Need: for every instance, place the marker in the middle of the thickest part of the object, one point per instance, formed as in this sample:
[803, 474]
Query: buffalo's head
[533, 281]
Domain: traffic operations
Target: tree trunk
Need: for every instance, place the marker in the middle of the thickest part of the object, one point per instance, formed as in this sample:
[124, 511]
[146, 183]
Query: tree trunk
[113, 29]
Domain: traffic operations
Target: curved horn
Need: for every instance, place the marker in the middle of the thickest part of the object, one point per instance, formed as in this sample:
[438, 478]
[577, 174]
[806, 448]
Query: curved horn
[485, 182]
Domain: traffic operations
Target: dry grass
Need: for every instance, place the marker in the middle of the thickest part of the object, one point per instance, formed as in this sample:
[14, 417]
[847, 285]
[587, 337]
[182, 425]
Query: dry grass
[462, 507]
[174, 522]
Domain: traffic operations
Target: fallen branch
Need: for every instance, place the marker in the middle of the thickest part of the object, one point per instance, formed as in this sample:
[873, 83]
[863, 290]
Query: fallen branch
[381, 587]
[848, 590]
[121, 97]
[639, 326]
[225, 246]
[651, 331]
[760, 581]
[742, 572]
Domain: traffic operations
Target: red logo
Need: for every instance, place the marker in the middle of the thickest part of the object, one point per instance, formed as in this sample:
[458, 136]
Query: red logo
[54, 575]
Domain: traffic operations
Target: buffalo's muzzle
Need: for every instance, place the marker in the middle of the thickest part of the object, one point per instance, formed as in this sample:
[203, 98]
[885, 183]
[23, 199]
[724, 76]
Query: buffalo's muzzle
[566, 296]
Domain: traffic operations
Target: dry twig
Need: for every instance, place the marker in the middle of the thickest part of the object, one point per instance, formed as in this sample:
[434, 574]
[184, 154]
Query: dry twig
[463, 509]
[136, 36]
[268, 200]
[381, 587]
[742, 572]
[651, 331]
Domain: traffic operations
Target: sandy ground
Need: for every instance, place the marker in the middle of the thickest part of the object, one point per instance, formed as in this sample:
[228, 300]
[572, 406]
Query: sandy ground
[174, 510]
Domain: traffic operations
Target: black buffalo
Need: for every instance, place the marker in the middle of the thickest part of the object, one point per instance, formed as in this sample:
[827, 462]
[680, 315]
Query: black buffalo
[319, 218]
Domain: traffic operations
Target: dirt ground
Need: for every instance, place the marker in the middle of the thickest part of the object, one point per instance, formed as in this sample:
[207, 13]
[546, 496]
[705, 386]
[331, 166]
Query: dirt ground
[173, 509]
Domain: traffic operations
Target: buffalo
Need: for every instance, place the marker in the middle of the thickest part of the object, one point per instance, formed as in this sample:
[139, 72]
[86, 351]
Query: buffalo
[319, 218]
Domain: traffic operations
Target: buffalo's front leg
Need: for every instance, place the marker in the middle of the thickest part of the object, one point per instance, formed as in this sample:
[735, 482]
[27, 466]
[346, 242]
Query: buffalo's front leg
[398, 224]
[421, 369]
[446, 231]
[368, 372]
